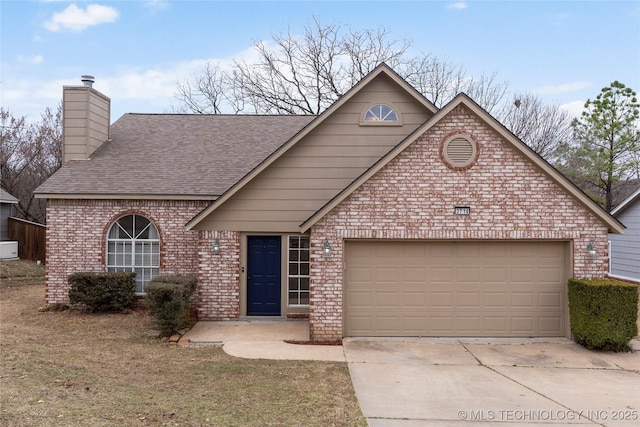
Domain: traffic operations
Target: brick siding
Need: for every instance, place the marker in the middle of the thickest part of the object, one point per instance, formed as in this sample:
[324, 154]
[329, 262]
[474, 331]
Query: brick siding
[413, 197]
[76, 237]
[219, 276]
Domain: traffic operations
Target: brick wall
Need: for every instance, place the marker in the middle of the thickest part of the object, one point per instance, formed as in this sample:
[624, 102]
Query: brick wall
[76, 237]
[413, 197]
[219, 276]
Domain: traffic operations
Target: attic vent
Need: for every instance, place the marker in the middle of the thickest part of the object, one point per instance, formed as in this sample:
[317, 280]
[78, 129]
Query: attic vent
[459, 152]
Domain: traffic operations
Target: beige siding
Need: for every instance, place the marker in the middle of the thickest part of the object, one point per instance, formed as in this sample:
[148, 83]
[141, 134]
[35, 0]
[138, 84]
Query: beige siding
[318, 167]
[86, 116]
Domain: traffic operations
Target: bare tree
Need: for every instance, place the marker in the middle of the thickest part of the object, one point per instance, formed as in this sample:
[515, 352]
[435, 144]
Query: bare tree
[544, 128]
[29, 154]
[304, 74]
[307, 73]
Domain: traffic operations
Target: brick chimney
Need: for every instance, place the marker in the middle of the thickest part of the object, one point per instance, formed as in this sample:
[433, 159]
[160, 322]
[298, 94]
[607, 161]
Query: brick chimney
[86, 115]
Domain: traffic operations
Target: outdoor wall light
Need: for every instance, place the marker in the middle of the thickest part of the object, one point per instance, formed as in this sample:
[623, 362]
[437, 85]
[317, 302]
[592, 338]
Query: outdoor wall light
[216, 247]
[326, 249]
[591, 250]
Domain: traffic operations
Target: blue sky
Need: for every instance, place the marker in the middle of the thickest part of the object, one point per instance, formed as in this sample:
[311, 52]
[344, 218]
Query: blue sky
[564, 51]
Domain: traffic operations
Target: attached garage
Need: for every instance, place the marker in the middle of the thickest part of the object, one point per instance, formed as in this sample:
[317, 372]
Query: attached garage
[455, 288]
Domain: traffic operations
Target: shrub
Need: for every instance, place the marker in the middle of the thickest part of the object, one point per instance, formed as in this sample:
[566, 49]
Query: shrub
[170, 302]
[99, 292]
[603, 313]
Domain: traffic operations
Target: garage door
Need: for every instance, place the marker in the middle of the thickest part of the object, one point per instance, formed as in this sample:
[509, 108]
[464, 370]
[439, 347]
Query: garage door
[514, 289]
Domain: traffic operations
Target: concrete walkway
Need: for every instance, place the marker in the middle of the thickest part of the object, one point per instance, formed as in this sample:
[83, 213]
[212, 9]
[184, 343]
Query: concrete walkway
[262, 339]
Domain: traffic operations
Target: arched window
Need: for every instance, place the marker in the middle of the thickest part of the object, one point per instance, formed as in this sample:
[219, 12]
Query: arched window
[380, 113]
[133, 244]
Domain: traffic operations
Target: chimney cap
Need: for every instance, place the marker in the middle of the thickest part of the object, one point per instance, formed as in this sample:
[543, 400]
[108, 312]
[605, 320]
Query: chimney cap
[88, 80]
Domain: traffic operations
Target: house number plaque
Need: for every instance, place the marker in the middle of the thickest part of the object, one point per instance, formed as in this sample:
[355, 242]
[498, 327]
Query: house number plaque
[462, 210]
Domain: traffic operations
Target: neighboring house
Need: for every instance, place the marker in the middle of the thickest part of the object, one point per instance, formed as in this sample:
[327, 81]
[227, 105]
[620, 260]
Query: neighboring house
[383, 216]
[6, 205]
[624, 249]
[8, 249]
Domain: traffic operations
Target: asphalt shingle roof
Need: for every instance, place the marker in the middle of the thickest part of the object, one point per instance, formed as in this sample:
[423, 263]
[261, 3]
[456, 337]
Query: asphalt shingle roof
[175, 154]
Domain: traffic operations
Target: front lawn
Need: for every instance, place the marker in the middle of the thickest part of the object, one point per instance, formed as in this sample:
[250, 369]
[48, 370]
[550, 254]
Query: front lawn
[73, 369]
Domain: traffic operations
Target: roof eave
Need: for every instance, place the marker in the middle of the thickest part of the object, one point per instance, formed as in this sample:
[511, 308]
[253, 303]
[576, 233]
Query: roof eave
[138, 196]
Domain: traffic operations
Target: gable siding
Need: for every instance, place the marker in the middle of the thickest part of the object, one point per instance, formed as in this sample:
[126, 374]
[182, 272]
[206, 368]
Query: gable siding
[625, 248]
[318, 167]
[413, 198]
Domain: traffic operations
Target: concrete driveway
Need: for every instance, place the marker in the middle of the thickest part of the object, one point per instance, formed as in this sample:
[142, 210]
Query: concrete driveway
[408, 382]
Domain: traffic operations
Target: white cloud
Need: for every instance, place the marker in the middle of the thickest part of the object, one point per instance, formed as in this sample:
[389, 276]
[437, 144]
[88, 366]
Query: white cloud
[31, 60]
[156, 4]
[574, 108]
[459, 5]
[563, 88]
[77, 19]
[132, 90]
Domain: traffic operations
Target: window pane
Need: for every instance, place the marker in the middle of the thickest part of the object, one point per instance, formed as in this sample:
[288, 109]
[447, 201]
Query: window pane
[304, 297]
[293, 284]
[304, 255]
[304, 283]
[294, 242]
[304, 268]
[126, 223]
[142, 227]
[293, 255]
[293, 298]
[293, 269]
[304, 242]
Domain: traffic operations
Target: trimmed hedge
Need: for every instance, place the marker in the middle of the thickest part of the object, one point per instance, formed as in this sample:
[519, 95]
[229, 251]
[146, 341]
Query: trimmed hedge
[99, 292]
[603, 313]
[170, 302]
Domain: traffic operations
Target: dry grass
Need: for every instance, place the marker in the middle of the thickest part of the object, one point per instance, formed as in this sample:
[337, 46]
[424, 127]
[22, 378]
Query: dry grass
[73, 369]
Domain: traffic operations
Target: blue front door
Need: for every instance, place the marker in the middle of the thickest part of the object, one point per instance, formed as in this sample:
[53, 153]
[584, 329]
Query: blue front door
[263, 276]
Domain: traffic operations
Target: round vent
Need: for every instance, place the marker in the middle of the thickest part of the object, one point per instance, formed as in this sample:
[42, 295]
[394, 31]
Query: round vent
[459, 152]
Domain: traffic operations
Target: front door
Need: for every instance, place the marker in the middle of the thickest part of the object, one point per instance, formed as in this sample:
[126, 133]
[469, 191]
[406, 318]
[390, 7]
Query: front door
[263, 276]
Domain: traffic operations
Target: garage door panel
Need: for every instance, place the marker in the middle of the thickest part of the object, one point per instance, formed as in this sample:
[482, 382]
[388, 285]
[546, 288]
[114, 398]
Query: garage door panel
[468, 274]
[522, 299]
[441, 274]
[455, 289]
[550, 274]
[550, 300]
[495, 299]
[468, 299]
[441, 300]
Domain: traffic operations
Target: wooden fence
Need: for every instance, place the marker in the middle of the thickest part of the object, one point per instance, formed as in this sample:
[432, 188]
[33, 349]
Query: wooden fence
[31, 238]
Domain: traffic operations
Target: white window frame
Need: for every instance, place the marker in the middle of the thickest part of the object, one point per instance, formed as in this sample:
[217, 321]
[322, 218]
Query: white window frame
[132, 254]
[299, 278]
[380, 118]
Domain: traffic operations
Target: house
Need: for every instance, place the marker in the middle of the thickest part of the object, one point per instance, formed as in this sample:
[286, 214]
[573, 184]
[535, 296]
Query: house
[6, 205]
[624, 249]
[8, 249]
[382, 216]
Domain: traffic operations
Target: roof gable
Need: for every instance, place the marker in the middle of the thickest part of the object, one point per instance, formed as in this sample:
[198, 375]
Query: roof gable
[626, 203]
[462, 99]
[5, 197]
[382, 71]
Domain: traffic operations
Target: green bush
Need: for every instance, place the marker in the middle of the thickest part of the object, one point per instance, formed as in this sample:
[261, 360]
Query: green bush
[98, 292]
[170, 300]
[603, 313]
